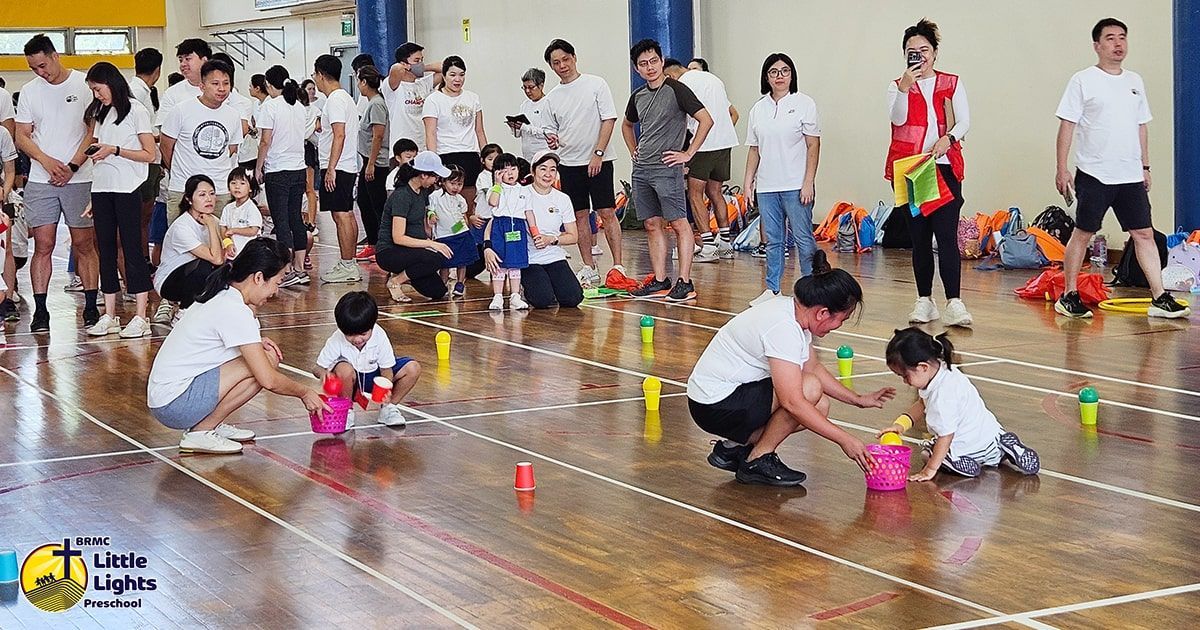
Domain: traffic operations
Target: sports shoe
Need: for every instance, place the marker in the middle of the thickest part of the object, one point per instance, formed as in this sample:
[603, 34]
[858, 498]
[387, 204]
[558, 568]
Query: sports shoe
[515, 303]
[1024, 458]
[162, 314]
[1070, 305]
[106, 325]
[682, 291]
[728, 457]
[304, 278]
[597, 250]
[10, 311]
[956, 314]
[230, 432]
[342, 272]
[75, 285]
[128, 299]
[91, 316]
[653, 288]
[1168, 307]
[760, 251]
[725, 249]
[289, 279]
[390, 416]
[41, 322]
[208, 442]
[765, 296]
[365, 254]
[588, 277]
[923, 312]
[497, 303]
[707, 254]
[618, 279]
[137, 327]
[769, 470]
[964, 466]
[460, 290]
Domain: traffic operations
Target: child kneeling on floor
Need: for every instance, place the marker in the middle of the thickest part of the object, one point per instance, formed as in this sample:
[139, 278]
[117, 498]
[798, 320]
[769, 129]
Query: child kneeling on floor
[967, 436]
[359, 350]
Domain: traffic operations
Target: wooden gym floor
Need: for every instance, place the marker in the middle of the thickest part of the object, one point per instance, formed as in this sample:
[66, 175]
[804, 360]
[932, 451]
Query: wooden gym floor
[628, 526]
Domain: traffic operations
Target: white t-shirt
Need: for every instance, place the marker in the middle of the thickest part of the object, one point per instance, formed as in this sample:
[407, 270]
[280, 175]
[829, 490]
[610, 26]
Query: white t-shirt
[778, 130]
[140, 91]
[184, 235]
[449, 211]
[361, 103]
[576, 111]
[1107, 110]
[740, 351]
[376, 353]
[455, 120]
[56, 113]
[953, 405]
[243, 216]
[710, 89]
[533, 135]
[7, 111]
[286, 122]
[483, 186]
[406, 106]
[248, 149]
[551, 211]
[898, 111]
[179, 93]
[514, 201]
[209, 336]
[203, 136]
[339, 108]
[117, 173]
[8, 150]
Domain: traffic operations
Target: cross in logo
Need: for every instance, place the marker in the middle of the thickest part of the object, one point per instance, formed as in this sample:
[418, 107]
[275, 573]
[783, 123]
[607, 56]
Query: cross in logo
[66, 553]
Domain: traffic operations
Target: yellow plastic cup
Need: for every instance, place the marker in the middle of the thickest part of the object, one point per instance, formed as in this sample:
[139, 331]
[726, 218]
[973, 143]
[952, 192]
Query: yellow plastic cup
[652, 389]
[647, 334]
[443, 345]
[1087, 413]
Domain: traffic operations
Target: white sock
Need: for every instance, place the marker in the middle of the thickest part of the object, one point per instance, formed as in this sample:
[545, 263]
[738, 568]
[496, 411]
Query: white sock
[346, 262]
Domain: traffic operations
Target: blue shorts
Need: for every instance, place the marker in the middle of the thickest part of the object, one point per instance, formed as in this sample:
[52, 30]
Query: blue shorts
[158, 223]
[194, 404]
[365, 383]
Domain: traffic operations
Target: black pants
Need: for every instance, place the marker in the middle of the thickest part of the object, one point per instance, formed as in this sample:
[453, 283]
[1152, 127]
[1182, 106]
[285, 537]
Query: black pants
[121, 213]
[186, 282]
[421, 265]
[371, 197]
[477, 267]
[548, 285]
[285, 196]
[943, 224]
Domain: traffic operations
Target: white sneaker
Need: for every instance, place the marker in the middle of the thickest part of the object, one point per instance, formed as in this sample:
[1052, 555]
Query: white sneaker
[515, 303]
[75, 285]
[179, 313]
[497, 303]
[724, 249]
[162, 315]
[349, 419]
[106, 326]
[923, 312]
[588, 277]
[597, 250]
[290, 278]
[390, 415]
[230, 432]
[707, 253]
[207, 442]
[342, 272]
[765, 296]
[956, 314]
[16, 297]
[137, 327]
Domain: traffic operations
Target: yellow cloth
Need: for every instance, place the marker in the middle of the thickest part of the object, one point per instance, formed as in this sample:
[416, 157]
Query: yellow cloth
[899, 183]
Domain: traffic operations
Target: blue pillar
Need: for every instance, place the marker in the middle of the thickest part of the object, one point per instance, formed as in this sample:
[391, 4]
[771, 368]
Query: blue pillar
[669, 22]
[382, 27]
[1187, 115]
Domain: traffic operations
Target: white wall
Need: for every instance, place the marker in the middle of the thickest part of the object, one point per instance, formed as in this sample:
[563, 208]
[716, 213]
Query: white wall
[1014, 58]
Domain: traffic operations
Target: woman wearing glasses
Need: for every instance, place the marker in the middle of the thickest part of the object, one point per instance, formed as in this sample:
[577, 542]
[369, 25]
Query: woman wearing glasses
[533, 133]
[784, 137]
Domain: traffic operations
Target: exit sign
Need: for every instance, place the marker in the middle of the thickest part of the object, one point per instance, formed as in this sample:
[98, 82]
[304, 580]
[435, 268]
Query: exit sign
[348, 25]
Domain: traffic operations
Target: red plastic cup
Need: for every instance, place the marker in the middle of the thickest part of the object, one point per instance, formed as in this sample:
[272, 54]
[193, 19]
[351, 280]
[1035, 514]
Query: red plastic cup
[382, 391]
[524, 481]
[333, 385]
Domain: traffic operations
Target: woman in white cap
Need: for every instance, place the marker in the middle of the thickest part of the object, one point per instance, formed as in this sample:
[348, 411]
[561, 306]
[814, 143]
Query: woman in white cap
[404, 248]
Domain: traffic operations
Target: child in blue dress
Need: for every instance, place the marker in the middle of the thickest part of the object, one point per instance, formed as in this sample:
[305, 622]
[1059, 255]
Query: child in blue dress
[508, 232]
[447, 223]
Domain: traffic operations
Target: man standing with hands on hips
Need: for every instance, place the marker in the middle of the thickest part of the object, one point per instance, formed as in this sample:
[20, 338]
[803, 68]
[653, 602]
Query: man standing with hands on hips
[1106, 107]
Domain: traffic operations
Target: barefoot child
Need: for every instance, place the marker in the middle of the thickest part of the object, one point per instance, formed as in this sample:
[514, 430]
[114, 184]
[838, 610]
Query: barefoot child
[448, 225]
[359, 350]
[967, 435]
[241, 220]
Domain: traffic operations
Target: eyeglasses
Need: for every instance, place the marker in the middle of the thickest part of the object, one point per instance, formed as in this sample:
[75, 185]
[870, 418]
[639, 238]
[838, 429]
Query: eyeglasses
[775, 73]
[528, 88]
[646, 63]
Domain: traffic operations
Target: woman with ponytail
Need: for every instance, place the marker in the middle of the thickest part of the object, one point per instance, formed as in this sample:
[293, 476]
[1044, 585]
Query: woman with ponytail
[192, 247]
[281, 125]
[967, 436]
[215, 360]
[758, 380]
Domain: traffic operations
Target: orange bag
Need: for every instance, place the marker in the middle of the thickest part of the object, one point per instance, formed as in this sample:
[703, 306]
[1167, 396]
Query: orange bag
[1052, 248]
[827, 231]
[1194, 237]
[1050, 285]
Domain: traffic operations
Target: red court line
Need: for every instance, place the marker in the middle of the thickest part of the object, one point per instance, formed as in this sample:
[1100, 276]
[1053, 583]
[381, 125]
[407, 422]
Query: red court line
[461, 544]
[81, 473]
[853, 607]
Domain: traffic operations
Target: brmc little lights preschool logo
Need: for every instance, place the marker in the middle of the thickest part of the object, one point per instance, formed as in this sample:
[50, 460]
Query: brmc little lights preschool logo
[55, 577]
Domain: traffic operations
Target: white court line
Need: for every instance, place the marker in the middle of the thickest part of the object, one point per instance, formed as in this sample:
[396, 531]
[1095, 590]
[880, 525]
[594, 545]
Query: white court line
[1069, 608]
[247, 504]
[107, 340]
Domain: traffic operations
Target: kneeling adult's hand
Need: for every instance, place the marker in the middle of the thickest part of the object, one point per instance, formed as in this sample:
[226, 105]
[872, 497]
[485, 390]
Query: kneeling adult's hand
[857, 451]
[876, 398]
[313, 402]
[491, 260]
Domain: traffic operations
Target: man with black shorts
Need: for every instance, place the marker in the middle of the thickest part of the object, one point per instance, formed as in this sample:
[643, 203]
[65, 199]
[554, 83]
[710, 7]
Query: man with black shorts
[337, 149]
[581, 121]
[1106, 107]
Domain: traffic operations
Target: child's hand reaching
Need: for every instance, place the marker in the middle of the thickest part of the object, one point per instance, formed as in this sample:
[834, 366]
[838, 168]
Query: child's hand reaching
[895, 428]
[925, 475]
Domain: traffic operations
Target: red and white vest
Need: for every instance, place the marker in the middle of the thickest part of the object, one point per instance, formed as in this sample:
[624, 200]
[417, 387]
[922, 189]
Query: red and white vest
[909, 138]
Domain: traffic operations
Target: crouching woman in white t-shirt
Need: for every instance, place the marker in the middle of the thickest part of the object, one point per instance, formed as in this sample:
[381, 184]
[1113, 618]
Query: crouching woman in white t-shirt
[192, 247]
[215, 360]
[758, 381]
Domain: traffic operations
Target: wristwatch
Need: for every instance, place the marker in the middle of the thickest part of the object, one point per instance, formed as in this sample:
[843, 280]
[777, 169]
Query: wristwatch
[73, 166]
[598, 153]
[118, 151]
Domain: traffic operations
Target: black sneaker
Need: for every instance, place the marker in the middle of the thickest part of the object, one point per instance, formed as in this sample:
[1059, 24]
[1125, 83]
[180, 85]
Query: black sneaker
[1070, 305]
[768, 470]
[760, 251]
[1166, 306]
[8, 310]
[41, 322]
[728, 457]
[654, 288]
[682, 292]
[1024, 458]
[91, 315]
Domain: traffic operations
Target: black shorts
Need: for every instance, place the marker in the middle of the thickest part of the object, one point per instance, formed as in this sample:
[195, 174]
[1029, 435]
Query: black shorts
[739, 415]
[586, 192]
[468, 161]
[341, 198]
[710, 166]
[310, 156]
[1130, 203]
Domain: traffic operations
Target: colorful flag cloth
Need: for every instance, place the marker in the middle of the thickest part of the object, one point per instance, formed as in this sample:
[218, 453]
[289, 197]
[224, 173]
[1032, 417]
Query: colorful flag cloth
[927, 189]
[899, 183]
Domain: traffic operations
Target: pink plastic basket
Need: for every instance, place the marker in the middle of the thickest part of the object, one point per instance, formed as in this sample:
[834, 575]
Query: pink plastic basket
[331, 421]
[891, 467]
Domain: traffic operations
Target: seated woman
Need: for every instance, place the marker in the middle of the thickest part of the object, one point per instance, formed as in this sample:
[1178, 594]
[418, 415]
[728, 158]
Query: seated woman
[404, 248]
[192, 247]
[215, 360]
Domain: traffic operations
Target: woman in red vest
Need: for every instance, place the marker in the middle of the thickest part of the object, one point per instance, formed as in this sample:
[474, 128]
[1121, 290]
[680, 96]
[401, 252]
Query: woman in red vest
[929, 114]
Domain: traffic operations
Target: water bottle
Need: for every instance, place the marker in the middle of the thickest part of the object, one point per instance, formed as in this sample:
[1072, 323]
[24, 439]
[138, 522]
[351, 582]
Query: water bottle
[1100, 251]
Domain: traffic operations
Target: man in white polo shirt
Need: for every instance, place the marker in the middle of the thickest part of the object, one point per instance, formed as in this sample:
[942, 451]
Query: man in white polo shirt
[1106, 107]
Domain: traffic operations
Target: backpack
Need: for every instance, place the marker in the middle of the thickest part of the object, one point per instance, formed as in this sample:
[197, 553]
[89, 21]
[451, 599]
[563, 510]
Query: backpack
[625, 211]
[1052, 250]
[1184, 257]
[748, 239]
[1056, 222]
[827, 231]
[1020, 251]
[847, 234]
[879, 217]
[968, 238]
[895, 231]
[1128, 273]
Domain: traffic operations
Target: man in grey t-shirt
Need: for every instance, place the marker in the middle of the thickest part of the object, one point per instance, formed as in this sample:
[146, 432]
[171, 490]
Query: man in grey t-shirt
[662, 108]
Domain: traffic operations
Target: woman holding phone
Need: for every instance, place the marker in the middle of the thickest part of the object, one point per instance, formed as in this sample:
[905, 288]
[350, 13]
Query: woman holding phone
[929, 114]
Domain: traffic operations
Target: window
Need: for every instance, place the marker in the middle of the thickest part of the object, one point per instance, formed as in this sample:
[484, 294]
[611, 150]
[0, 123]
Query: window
[13, 42]
[73, 41]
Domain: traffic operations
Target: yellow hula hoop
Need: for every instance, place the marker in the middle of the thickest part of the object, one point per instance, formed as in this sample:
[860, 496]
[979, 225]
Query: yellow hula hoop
[1129, 305]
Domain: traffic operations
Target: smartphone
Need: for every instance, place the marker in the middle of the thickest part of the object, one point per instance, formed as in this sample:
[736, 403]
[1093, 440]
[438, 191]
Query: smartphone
[914, 58]
[91, 150]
